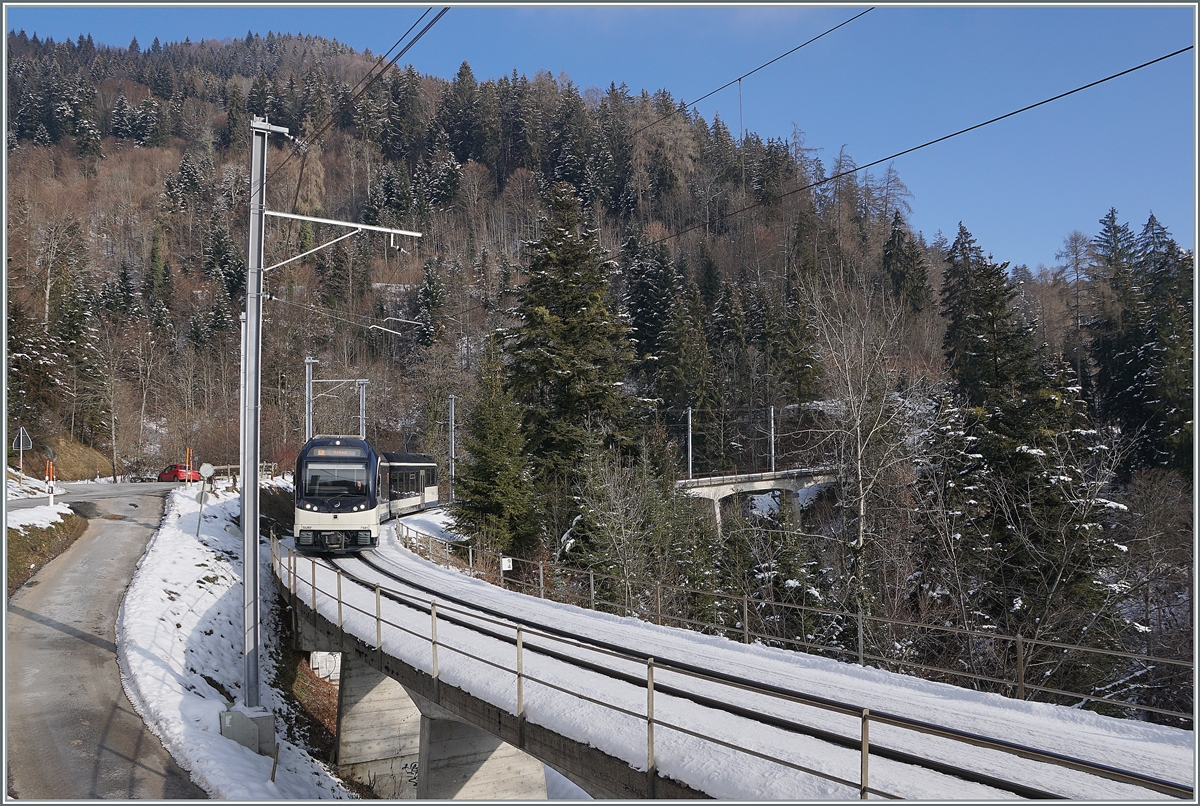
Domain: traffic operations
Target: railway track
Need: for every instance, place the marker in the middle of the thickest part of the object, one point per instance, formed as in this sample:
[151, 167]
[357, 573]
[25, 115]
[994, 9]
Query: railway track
[606, 658]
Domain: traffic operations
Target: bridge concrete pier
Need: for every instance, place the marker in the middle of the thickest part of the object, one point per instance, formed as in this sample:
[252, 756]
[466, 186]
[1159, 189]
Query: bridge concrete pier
[378, 731]
[403, 746]
[792, 484]
[463, 763]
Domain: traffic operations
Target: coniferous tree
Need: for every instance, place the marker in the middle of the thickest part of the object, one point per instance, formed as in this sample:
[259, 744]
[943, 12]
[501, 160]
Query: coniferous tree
[157, 285]
[223, 261]
[568, 351]
[709, 280]
[259, 101]
[431, 298]
[435, 181]
[119, 296]
[904, 265]
[791, 352]
[988, 350]
[237, 120]
[1031, 431]
[390, 196]
[1114, 318]
[1142, 340]
[611, 161]
[404, 129]
[1165, 275]
[459, 115]
[650, 286]
[88, 146]
[570, 140]
[493, 487]
[122, 125]
[684, 374]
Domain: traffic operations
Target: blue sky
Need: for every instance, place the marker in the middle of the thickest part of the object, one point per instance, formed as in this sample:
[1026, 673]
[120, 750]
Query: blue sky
[895, 78]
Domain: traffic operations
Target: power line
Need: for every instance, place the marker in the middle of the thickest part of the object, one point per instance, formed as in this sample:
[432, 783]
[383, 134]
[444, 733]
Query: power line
[361, 92]
[327, 314]
[335, 115]
[924, 145]
[752, 72]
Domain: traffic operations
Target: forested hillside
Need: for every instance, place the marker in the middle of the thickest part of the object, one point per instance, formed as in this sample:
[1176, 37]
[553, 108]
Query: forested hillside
[1013, 445]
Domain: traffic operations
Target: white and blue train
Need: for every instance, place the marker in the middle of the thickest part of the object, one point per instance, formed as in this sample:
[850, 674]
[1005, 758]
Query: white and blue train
[345, 489]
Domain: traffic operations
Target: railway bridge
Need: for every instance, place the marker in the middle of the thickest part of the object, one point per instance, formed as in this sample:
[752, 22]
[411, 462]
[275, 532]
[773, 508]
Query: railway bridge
[453, 688]
[794, 484]
[409, 734]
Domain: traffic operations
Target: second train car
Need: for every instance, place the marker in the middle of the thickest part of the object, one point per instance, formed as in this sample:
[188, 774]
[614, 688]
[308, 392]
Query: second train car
[345, 489]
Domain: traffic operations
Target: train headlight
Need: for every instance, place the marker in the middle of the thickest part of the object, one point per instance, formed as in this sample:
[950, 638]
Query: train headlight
[307, 506]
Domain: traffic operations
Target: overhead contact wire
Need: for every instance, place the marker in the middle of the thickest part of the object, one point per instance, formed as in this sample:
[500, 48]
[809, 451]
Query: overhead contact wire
[332, 117]
[752, 72]
[925, 145]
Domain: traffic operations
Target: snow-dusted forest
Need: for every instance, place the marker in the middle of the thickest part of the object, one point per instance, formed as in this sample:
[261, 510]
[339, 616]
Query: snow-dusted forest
[1013, 445]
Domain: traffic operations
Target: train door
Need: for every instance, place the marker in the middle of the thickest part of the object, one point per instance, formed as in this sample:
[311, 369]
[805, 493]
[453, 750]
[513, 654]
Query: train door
[421, 486]
[383, 508]
[396, 483]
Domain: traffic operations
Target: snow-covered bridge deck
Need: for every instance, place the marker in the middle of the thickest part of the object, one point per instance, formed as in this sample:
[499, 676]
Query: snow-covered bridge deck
[606, 719]
[796, 484]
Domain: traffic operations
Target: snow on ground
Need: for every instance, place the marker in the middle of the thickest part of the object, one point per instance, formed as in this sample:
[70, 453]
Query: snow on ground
[179, 638]
[178, 634]
[766, 504]
[18, 485]
[37, 517]
[1149, 749]
[436, 522]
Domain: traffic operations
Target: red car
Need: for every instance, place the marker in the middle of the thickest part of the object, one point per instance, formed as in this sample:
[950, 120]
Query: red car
[179, 473]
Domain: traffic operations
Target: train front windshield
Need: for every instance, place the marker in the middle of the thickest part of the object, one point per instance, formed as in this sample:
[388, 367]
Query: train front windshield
[329, 480]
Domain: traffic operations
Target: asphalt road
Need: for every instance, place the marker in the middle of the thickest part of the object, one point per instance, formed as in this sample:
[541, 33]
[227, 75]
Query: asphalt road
[71, 731]
[71, 492]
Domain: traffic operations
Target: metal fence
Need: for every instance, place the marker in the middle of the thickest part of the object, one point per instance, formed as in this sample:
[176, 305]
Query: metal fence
[834, 633]
[266, 469]
[308, 581]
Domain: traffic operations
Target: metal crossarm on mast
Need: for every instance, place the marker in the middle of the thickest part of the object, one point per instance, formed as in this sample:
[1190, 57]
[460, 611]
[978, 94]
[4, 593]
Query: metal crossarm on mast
[335, 223]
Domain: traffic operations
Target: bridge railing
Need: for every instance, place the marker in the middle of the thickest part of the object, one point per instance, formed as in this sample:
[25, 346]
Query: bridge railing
[268, 469]
[323, 589]
[892, 644]
[726, 478]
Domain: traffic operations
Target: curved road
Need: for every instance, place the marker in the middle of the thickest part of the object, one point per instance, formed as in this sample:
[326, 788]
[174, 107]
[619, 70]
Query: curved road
[71, 731]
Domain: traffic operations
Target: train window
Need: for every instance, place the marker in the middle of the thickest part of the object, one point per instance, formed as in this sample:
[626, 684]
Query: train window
[412, 482]
[328, 480]
[431, 477]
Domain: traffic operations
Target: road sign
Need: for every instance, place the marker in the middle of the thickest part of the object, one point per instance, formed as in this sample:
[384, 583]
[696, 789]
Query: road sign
[207, 470]
[21, 444]
[22, 441]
